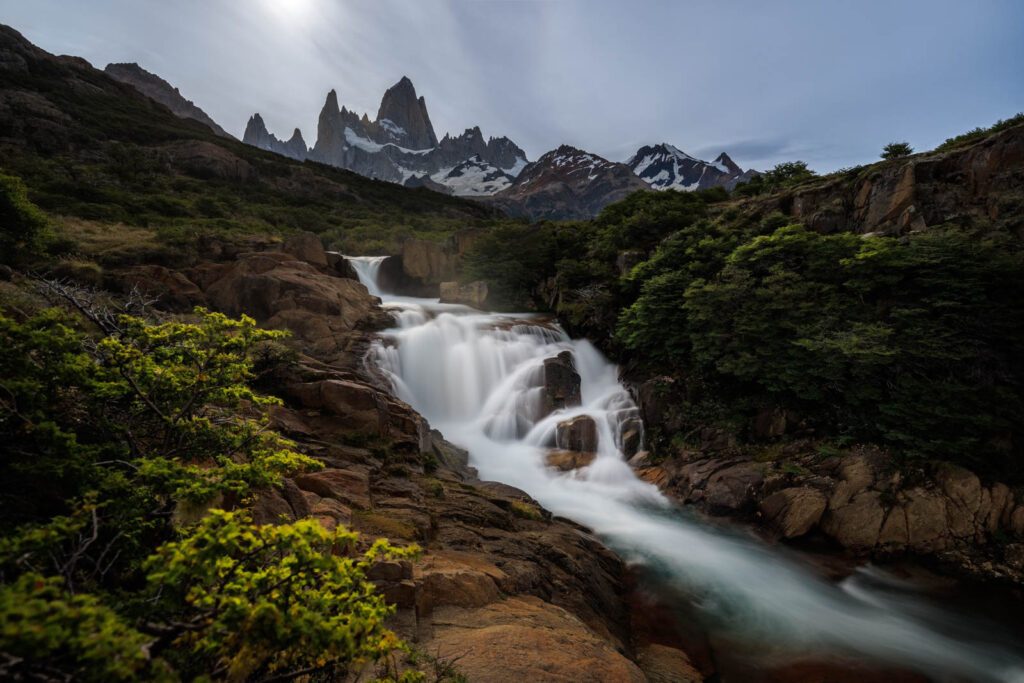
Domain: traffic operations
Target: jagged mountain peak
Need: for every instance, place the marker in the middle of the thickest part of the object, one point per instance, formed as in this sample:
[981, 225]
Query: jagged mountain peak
[405, 117]
[725, 161]
[666, 167]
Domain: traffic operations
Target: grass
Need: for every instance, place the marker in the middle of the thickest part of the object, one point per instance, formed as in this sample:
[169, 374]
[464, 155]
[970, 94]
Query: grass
[525, 510]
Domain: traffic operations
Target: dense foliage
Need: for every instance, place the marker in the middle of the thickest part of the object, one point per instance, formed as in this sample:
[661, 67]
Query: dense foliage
[112, 566]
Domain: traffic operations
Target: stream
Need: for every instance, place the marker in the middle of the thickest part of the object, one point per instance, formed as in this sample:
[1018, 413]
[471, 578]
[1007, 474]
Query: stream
[477, 377]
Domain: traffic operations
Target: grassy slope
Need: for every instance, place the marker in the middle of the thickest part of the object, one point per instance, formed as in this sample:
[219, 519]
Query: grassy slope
[101, 158]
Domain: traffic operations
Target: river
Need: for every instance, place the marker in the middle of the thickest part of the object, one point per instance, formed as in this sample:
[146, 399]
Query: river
[477, 378]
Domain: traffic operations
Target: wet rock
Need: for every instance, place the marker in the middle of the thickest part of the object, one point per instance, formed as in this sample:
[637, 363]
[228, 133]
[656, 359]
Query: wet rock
[632, 436]
[795, 511]
[577, 434]
[561, 383]
[567, 461]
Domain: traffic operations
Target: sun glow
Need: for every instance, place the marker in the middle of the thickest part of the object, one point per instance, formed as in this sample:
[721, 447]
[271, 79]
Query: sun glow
[292, 12]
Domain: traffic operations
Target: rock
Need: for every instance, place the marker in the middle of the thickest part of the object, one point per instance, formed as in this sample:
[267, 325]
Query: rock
[713, 440]
[325, 313]
[6, 273]
[362, 409]
[632, 436]
[270, 507]
[408, 114]
[561, 383]
[627, 260]
[794, 511]
[925, 519]
[307, 247]
[857, 524]
[964, 499]
[1002, 499]
[428, 262]
[577, 434]
[173, 290]
[348, 486]
[523, 638]
[205, 159]
[663, 664]
[855, 474]
[567, 461]
[473, 294]
[1016, 521]
[733, 488]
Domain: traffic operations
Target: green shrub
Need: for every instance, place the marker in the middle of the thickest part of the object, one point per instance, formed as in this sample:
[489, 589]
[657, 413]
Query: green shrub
[22, 225]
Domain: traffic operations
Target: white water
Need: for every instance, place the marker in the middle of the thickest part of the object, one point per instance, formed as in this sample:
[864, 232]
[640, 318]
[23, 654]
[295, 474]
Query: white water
[475, 376]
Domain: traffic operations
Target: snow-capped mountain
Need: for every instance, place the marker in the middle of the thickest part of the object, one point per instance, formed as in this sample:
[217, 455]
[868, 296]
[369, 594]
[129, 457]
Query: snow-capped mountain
[665, 167]
[400, 145]
[567, 183]
[474, 177]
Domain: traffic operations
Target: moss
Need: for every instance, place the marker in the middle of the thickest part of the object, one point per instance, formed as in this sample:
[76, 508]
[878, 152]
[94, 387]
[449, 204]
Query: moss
[525, 510]
[379, 524]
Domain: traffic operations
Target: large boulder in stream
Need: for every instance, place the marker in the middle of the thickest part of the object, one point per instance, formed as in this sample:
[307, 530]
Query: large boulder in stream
[561, 383]
[577, 434]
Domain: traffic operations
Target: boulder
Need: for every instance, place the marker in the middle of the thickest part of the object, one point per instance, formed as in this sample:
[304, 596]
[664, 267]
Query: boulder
[577, 434]
[663, 664]
[734, 488]
[793, 512]
[307, 247]
[857, 524]
[347, 486]
[855, 475]
[566, 461]
[925, 513]
[770, 423]
[526, 639]
[561, 383]
[326, 314]
[632, 436]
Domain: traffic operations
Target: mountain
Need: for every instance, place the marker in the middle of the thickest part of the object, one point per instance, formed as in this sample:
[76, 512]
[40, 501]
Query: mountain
[156, 88]
[474, 177]
[567, 183]
[400, 144]
[256, 134]
[665, 167]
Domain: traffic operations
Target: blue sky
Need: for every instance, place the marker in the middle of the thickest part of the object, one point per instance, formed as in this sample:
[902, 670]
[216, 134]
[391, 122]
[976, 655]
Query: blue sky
[826, 81]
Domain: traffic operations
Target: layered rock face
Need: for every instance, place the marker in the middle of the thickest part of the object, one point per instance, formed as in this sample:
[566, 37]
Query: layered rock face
[977, 184]
[400, 146]
[567, 183]
[156, 88]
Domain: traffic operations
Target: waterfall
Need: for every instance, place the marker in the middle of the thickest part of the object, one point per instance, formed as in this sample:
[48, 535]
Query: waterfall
[477, 378]
[368, 270]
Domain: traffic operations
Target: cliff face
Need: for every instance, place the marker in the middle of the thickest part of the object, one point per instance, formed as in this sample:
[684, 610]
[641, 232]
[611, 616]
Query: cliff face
[977, 186]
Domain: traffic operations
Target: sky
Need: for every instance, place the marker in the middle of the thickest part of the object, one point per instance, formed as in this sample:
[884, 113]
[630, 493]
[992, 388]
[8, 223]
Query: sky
[825, 81]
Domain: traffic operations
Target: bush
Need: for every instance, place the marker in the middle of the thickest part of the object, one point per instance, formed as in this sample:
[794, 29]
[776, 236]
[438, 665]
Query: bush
[897, 150]
[22, 224]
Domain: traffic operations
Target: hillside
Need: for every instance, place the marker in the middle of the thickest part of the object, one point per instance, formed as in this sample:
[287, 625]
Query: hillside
[103, 158]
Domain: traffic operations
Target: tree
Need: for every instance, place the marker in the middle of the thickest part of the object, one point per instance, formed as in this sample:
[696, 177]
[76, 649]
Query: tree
[897, 150]
[22, 224]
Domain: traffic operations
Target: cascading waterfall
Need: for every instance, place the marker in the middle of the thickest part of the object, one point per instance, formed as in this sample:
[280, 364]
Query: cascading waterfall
[477, 378]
